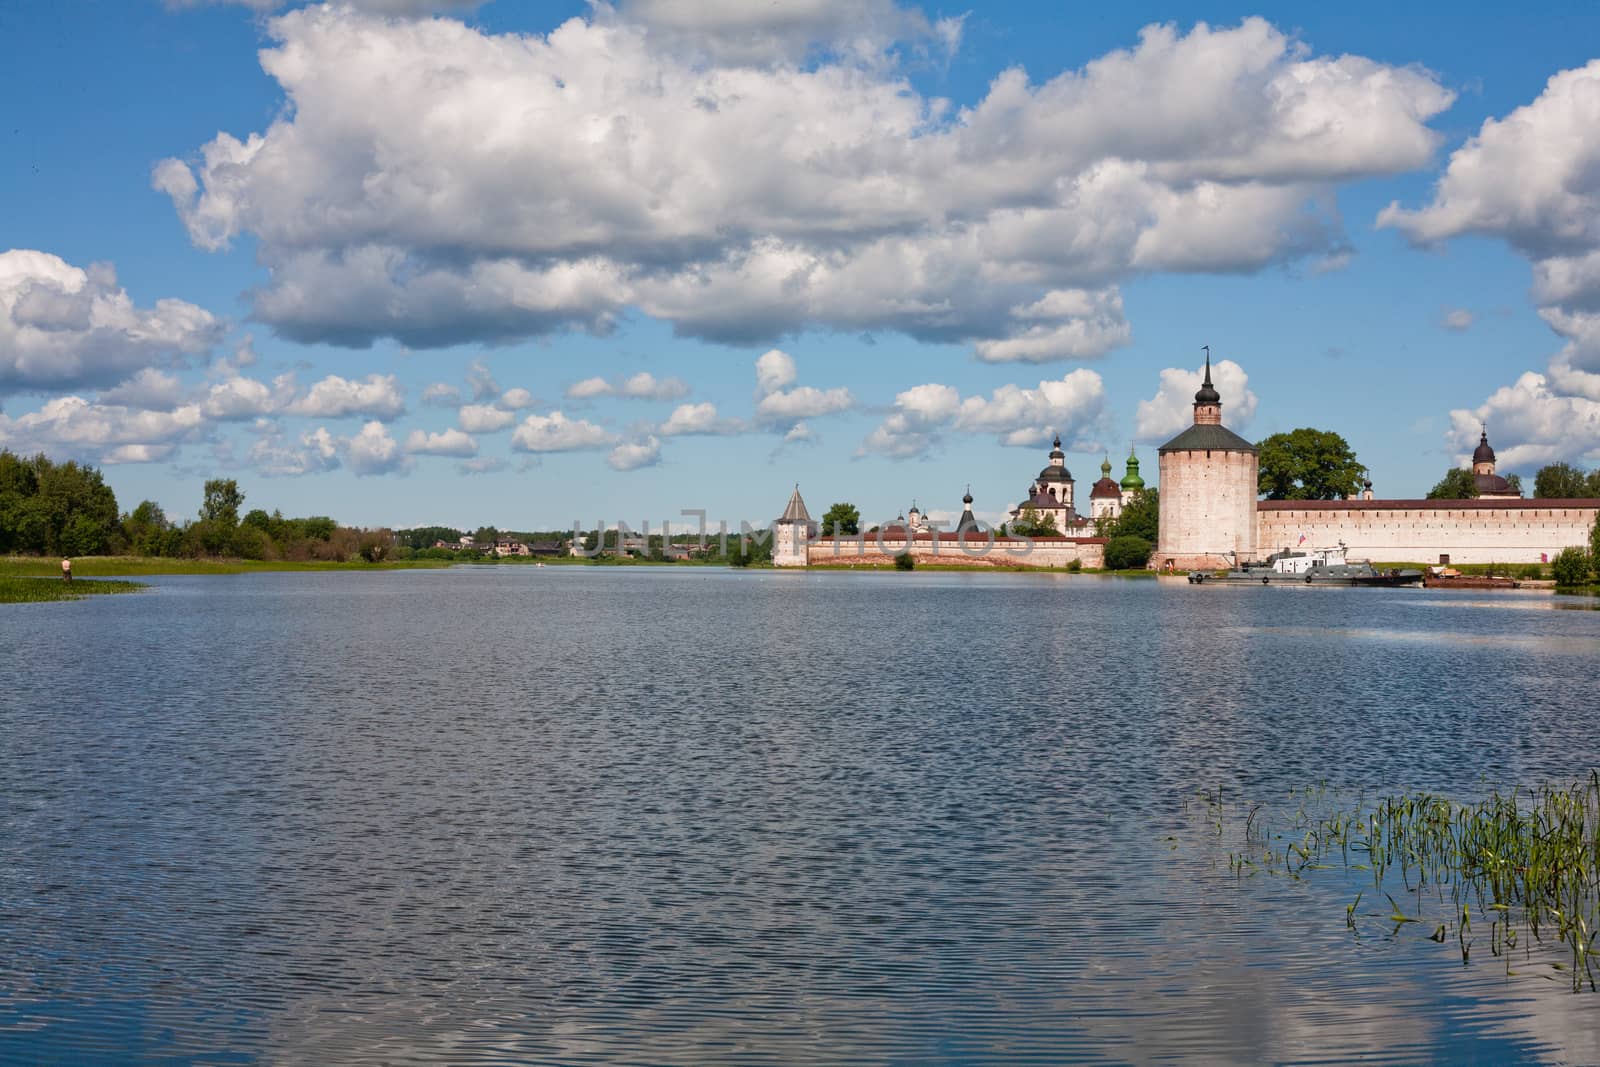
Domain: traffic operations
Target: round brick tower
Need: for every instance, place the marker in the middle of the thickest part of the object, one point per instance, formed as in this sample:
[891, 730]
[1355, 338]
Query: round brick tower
[1208, 491]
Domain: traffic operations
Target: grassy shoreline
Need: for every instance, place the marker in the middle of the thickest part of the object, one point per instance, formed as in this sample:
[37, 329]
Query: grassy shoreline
[16, 589]
[136, 566]
[126, 566]
[982, 568]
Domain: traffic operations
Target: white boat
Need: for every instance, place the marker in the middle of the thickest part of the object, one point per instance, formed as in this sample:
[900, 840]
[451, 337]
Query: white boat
[1319, 566]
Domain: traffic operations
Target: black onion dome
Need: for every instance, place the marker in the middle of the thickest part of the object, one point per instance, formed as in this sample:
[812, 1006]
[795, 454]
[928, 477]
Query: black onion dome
[1483, 453]
[1055, 473]
[1208, 393]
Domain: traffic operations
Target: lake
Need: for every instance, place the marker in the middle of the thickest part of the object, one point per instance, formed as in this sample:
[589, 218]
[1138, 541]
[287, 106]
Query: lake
[704, 816]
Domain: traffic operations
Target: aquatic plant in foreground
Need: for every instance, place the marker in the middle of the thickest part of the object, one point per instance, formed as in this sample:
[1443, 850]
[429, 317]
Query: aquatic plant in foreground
[1526, 861]
[15, 590]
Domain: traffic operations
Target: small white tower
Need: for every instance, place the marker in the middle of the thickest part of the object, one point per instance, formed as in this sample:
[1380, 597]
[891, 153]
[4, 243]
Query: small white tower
[791, 534]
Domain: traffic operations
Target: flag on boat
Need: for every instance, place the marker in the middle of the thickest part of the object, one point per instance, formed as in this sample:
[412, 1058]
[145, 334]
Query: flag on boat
[1300, 542]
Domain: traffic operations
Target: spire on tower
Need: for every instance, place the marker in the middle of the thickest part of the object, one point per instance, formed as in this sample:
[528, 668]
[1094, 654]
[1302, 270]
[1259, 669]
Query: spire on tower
[1208, 393]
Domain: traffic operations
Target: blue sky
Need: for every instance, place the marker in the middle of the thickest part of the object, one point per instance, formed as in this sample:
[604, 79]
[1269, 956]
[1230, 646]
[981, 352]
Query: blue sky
[363, 259]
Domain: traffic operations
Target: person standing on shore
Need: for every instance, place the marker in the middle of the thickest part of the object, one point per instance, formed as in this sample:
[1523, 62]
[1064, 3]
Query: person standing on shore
[66, 570]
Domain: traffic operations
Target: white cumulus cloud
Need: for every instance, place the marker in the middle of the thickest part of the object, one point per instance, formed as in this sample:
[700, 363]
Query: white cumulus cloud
[1072, 406]
[1538, 419]
[1064, 324]
[451, 442]
[515, 399]
[275, 457]
[484, 418]
[110, 433]
[557, 433]
[64, 327]
[632, 455]
[1532, 179]
[373, 451]
[688, 419]
[239, 398]
[377, 395]
[441, 395]
[1171, 410]
[774, 370]
[149, 390]
[640, 386]
[804, 402]
[679, 159]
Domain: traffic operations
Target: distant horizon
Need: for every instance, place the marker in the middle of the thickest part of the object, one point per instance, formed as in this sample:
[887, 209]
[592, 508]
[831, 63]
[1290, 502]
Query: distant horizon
[405, 263]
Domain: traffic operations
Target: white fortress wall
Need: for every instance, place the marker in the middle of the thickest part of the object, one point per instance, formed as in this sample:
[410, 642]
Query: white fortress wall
[1419, 531]
[976, 550]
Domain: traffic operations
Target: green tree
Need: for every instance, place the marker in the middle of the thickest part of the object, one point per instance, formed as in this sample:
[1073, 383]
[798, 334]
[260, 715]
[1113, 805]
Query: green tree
[421, 537]
[1127, 552]
[221, 504]
[250, 541]
[75, 497]
[258, 518]
[1308, 464]
[1571, 567]
[842, 518]
[83, 535]
[1457, 484]
[317, 527]
[1594, 540]
[55, 507]
[905, 562]
[1559, 481]
[144, 527]
[1140, 517]
[375, 545]
[1030, 523]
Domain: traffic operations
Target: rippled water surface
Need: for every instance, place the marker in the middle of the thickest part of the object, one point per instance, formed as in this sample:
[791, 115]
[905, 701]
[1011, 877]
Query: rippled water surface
[693, 816]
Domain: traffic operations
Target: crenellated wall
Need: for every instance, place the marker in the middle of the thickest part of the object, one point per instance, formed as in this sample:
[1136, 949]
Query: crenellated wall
[949, 548]
[1419, 531]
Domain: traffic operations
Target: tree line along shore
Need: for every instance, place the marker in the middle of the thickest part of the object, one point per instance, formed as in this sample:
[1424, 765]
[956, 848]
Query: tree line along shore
[50, 510]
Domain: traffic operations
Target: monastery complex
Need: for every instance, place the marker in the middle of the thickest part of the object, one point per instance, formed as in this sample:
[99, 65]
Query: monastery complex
[1211, 517]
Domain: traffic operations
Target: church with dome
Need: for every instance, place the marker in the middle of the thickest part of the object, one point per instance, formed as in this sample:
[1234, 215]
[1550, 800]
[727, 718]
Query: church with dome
[1490, 485]
[1211, 516]
[1051, 496]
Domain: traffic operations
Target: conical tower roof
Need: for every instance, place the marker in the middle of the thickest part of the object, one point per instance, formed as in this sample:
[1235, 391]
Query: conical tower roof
[796, 511]
[1208, 393]
[968, 520]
